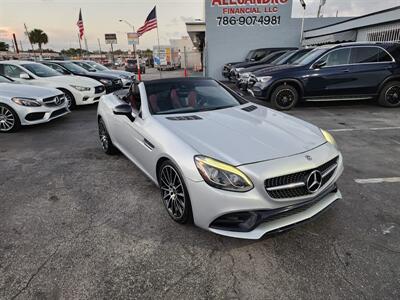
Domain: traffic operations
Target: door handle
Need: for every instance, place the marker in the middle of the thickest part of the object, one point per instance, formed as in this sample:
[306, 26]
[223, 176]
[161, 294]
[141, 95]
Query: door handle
[346, 71]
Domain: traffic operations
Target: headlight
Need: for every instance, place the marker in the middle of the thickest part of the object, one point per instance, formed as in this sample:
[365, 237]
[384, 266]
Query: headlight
[264, 78]
[328, 137]
[239, 69]
[245, 75]
[106, 81]
[221, 175]
[26, 102]
[81, 88]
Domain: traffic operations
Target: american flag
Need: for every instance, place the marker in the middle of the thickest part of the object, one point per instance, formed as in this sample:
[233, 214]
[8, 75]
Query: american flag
[150, 23]
[80, 25]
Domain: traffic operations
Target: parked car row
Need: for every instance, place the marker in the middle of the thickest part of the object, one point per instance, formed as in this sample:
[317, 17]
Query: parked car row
[350, 71]
[37, 92]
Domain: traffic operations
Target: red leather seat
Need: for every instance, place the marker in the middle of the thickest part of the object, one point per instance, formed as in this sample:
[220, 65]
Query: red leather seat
[192, 99]
[175, 99]
[154, 103]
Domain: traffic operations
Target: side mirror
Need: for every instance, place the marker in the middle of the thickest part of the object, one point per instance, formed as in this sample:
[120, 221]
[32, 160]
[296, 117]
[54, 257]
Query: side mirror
[124, 110]
[24, 76]
[319, 64]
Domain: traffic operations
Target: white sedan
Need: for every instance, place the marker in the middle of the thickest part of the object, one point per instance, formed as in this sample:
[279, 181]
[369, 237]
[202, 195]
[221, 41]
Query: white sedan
[77, 89]
[233, 167]
[22, 104]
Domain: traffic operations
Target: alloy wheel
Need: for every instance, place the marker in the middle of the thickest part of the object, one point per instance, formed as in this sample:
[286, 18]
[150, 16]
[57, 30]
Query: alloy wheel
[103, 136]
[69, 100]
[172, 192]
[7, 119]
[285, 97]
[393, 95]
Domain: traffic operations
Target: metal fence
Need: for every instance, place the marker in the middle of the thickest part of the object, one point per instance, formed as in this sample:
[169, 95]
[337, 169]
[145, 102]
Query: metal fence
[389, 33]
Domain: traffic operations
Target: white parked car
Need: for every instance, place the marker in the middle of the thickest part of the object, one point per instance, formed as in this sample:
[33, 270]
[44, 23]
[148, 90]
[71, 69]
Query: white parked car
[22, 104]
[77, 89]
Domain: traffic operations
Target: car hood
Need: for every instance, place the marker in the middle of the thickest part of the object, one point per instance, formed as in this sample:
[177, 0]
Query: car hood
[105, 75]
[276, 69]
[74, 80]
[120, 73]
[239, 137]
[256, 68]
[22, 90]
[248, 64]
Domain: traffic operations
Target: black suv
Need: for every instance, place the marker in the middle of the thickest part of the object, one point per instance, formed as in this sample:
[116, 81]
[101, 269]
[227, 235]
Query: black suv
[253, 55]
[352, 71]
[111, 82]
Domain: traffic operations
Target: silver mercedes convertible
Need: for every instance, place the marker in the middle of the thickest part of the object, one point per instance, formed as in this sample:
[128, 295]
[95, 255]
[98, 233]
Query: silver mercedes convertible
[232, 167]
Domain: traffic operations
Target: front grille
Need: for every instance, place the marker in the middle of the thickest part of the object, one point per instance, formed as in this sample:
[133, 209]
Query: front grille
[54, 101]
[294, 185]
[99, 89]
[58, 113]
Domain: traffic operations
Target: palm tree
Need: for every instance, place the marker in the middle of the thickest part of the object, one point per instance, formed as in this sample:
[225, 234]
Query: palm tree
[38, 36]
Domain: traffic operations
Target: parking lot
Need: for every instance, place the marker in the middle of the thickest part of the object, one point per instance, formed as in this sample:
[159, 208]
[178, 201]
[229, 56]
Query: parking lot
[78, 224]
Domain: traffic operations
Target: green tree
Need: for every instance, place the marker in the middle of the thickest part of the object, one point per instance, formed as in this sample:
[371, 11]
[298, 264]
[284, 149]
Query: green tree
[4, 46]
[38, 36]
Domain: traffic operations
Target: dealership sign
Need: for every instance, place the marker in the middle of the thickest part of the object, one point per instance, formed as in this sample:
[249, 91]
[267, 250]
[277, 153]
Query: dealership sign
[248, 12]
[133, 38]
[111, 38]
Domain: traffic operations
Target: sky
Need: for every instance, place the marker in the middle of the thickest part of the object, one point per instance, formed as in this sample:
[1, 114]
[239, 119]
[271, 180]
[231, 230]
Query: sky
[58, 18]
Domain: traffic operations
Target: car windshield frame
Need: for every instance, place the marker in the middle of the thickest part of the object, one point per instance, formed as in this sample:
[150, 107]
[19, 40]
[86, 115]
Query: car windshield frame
[283, 58]
[50, 71]
[73, 68]
[193, 83]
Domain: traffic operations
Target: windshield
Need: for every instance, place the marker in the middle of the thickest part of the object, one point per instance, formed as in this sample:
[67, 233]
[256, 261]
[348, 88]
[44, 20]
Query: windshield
[271, 57]
[41, 70]
[131, 61]
[73, 68]
[310, 57]
[188, 96]
[4, 80]
[282, 59]
[97, 66]
[250, 55]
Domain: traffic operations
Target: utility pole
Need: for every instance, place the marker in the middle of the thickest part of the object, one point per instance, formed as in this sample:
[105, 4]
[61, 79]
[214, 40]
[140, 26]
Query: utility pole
[133, 30]
[101, 54]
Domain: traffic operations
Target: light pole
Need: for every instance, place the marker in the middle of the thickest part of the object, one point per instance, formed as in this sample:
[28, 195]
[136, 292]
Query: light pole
[133, 30]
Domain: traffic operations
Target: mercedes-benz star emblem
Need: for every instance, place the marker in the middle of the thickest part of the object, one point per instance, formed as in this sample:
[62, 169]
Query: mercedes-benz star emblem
[314, 182]
[57, 100]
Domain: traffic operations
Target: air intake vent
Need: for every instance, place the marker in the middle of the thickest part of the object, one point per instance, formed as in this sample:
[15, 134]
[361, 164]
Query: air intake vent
[249, 108]
[184, 118]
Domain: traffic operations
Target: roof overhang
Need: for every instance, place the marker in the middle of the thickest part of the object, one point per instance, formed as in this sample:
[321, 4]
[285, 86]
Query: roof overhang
[340, 37]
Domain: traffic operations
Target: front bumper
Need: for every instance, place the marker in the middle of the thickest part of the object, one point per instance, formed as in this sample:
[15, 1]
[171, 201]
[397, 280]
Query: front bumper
[88, 97]
[260, 90]
[210, 204]
[38, 115]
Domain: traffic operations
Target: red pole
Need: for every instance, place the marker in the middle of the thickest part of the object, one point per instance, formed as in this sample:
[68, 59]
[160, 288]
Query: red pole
[185, 72]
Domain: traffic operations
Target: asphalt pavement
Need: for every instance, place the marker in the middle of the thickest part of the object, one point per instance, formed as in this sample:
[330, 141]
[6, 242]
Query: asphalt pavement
[78, 224]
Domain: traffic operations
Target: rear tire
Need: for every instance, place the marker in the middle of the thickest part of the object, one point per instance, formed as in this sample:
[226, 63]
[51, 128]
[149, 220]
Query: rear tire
[105, 140]
[284, 97]
[390, 94]
[9, 120]
[174, 194]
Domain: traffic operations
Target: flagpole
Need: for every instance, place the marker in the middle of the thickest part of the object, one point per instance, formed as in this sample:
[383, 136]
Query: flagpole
[158, 41]
[80, 45]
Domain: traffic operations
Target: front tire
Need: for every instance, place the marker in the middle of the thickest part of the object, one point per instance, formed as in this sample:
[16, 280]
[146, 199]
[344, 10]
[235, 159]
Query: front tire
[9, 120]
[71, 103]
[174, 193]
[284, 97]
[390, 95]
[105, 140]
